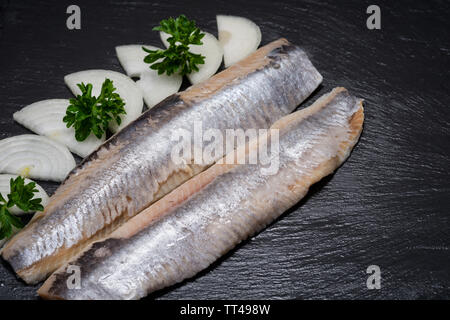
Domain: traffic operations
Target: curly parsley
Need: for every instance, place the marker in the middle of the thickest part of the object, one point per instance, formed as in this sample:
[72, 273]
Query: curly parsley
[20, 195]
[87, 113]
[177, 58]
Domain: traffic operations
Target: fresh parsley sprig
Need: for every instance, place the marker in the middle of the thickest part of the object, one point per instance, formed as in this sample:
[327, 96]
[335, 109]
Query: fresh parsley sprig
[87, 113]
[177, 58]
[21, 195]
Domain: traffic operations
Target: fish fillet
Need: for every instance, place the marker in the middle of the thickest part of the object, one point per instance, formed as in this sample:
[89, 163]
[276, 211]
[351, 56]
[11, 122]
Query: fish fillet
[134, 168]
[195, 224]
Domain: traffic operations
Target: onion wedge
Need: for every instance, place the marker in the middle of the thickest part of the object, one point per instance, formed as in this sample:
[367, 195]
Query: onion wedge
[238, 36]
[5, 189]
[131, 57]
[36, 157]
[126, 88]
[155, 88]
[46, 118]
[210, 49]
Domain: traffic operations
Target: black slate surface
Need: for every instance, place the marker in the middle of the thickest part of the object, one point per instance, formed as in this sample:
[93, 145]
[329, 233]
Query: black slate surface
[387, 205]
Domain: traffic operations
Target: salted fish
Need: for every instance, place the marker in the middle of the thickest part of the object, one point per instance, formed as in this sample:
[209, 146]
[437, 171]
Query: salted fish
[134, 168]
[201, 220]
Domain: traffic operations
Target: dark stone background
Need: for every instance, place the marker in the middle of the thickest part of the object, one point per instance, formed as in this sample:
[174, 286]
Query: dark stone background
[387, 205]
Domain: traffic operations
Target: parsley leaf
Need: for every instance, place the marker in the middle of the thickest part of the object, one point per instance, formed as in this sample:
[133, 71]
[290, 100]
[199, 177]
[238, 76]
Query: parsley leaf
[87, 113]
[21, 195]
[177, 58]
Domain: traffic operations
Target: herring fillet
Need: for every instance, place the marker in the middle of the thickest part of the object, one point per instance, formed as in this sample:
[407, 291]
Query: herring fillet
[134, 168]
[195, 224]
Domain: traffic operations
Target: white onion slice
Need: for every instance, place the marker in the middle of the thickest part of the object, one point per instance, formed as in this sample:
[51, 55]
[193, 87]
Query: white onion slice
[210, 49]
[238, 36]
[5, 189]
[131, 57]
[46, 118]
[126, 88]
[37, 157]
[156, 88]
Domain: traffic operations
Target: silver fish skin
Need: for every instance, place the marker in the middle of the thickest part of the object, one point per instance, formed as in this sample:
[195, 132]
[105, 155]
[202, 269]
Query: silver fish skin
[211, 213]
[134, 168]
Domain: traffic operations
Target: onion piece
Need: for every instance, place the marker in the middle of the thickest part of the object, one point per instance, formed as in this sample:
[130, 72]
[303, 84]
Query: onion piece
[126, 88]
[131, 57]
[46, 118]
[156, 88]
[238, 36]
[37, 157]
[5, 189]
[210, 49]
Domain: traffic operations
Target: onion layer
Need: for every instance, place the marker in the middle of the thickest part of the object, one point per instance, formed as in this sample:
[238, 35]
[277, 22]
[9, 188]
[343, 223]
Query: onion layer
[36, 157]
[154, 87]
[46, 118]
[238, 36]
[131, 57]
